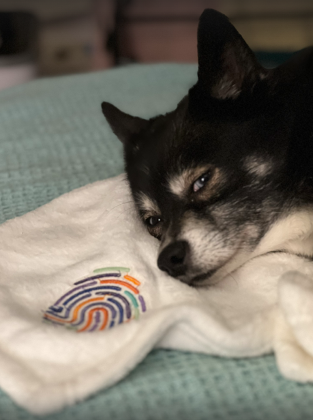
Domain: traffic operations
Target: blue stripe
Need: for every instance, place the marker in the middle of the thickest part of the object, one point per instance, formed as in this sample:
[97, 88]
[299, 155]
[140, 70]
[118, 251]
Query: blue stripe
[91, 289]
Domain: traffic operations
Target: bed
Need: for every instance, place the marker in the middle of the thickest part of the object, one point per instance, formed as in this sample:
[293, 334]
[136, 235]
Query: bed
[54, 138]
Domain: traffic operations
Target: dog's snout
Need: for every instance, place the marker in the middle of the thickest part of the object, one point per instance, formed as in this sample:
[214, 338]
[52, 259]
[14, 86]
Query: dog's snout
[173, 258]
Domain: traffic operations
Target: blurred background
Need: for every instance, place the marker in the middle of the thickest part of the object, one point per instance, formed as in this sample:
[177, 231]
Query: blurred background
[53, 37]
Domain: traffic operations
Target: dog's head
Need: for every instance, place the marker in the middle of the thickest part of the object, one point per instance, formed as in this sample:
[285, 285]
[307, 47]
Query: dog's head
[210, 177]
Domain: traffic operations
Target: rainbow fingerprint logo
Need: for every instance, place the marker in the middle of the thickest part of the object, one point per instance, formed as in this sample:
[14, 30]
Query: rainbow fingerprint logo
[99, 302]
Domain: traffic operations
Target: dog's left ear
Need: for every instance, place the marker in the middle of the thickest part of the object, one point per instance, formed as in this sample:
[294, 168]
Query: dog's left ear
[123, 125]
[227, 66]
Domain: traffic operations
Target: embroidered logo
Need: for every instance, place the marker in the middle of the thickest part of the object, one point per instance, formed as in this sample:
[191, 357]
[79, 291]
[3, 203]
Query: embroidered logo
[98, 302]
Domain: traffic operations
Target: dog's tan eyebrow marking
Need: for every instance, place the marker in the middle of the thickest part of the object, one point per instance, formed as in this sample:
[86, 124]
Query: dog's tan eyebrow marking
[258, 166]
[147, 204]
[179, 184]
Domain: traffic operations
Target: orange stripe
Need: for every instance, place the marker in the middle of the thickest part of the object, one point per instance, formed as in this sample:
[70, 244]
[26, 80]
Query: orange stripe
[132, 279]
[123, 283]
[75, 313]
[90, 318]
[53, 318]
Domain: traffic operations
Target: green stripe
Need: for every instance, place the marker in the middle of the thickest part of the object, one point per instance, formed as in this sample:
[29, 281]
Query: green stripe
[134, 301]
[136, 315]
[100, 270]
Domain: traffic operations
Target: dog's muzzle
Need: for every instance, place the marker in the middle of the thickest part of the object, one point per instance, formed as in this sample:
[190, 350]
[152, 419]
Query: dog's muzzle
[174, 258]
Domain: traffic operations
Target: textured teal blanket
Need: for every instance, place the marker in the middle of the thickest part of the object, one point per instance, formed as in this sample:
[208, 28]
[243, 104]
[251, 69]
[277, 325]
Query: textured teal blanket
[53, 138]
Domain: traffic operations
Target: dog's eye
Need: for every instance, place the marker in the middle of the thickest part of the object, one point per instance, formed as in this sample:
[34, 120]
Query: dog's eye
[200, 182]
[152, 221]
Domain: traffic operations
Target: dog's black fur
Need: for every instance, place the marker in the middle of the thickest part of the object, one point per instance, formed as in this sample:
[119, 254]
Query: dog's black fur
[213, 176]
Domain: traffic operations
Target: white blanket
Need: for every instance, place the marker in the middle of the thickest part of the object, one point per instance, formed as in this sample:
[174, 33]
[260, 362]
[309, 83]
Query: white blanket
[82, 301]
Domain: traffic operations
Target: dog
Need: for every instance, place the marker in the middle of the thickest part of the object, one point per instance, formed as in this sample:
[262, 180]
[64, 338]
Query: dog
[227, 175]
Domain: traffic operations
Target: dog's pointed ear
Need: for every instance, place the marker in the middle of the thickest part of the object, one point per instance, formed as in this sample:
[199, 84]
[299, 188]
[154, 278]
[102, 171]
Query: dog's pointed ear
[123, 125]
[227, 66]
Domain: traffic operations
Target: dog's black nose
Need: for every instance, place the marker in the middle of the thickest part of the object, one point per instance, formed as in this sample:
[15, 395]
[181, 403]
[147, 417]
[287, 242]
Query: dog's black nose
[173, 258]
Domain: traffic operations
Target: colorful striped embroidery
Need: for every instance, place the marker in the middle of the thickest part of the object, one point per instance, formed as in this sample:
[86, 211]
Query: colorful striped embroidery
[99, 302]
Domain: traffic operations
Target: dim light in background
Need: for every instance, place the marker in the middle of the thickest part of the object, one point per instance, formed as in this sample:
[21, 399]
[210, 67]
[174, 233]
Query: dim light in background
[76, 36]
[15, 74]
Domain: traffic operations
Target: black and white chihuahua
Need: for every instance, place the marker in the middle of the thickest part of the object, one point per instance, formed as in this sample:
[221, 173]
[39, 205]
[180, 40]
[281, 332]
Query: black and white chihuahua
[227, 175]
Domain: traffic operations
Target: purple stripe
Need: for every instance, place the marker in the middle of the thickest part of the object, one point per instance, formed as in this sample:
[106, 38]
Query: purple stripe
[68, 309]
[141, 299]
[92, 289]
[99, 276]
[96, 321]
[120, 307]
[73, 290]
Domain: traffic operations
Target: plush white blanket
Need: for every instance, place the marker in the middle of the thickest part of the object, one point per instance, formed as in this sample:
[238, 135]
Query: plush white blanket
[82, 300]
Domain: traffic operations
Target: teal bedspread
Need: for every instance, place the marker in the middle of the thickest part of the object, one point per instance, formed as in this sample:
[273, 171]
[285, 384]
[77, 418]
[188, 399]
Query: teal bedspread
[53, 138]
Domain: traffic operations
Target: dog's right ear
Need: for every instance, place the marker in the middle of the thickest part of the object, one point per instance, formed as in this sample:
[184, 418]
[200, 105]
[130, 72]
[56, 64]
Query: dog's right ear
[123, 125]
[227, 66]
